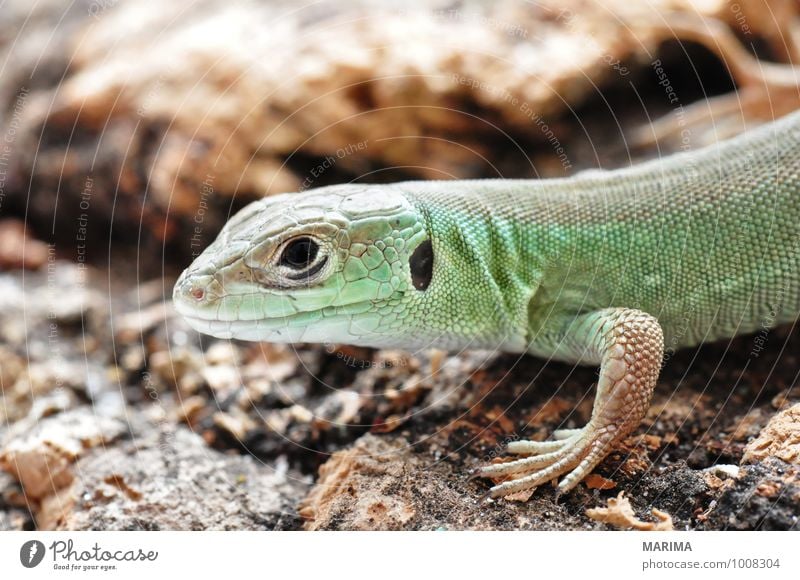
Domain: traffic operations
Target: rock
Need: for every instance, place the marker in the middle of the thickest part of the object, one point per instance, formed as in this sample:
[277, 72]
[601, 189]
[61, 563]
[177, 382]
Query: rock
[170, 480]
[358, 484]
[780, 438]
[41, 453]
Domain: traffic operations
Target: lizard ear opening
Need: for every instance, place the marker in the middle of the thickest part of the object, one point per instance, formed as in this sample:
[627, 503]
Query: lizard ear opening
[421, 264]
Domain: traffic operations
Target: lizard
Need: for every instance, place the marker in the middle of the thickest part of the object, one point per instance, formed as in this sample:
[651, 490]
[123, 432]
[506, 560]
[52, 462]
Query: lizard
[606, 267]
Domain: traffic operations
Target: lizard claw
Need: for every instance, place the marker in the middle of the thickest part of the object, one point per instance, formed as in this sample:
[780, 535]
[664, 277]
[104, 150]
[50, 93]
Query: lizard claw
[476, 474]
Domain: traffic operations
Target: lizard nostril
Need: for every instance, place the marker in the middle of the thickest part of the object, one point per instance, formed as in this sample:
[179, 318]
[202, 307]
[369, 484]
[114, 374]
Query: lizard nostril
[197, 293]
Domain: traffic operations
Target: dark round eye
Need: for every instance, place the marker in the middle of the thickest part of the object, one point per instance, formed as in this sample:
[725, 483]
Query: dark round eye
[299, 253]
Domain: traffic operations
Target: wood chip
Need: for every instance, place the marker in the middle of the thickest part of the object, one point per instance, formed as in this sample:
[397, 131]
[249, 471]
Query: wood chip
[18, 249]
[619, 513]
[391, 423]
[594, 481]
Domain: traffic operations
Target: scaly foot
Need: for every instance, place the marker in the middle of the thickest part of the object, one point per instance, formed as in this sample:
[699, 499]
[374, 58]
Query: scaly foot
[628, 344]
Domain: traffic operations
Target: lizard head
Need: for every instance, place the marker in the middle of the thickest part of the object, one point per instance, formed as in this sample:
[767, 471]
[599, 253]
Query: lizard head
[335, 264]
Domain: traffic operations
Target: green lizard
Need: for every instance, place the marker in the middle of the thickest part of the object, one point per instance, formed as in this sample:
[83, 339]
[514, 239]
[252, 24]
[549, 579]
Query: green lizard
[605, 268]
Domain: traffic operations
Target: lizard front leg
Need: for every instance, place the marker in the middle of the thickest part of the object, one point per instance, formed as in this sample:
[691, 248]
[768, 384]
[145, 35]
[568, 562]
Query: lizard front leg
[629, 346]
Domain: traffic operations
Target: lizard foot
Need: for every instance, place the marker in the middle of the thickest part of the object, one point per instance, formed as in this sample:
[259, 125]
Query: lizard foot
[629, 346]
[576, 455]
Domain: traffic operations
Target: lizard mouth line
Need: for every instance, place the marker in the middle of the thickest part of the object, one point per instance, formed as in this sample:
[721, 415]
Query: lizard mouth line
[258, 329]
[290, 328]
[234, 323]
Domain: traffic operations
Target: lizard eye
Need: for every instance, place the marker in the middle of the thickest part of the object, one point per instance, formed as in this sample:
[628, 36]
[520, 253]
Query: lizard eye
[299, 253]
[301, 260]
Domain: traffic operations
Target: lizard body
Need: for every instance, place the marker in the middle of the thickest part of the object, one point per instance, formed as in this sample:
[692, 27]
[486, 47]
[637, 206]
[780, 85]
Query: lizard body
[608, 268]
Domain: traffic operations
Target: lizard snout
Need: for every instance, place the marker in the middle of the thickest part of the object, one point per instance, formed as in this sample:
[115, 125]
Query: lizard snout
[194, 291]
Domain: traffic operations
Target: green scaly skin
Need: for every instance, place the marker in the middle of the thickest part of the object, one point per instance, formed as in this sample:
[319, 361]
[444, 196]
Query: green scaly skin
[603, 268]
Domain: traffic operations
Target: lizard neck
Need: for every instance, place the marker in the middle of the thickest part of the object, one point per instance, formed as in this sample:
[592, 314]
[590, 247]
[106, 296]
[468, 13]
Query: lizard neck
[515, 252]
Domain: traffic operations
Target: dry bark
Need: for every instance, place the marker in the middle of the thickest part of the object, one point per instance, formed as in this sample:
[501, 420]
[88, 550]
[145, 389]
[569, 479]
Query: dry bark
[159, 119]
